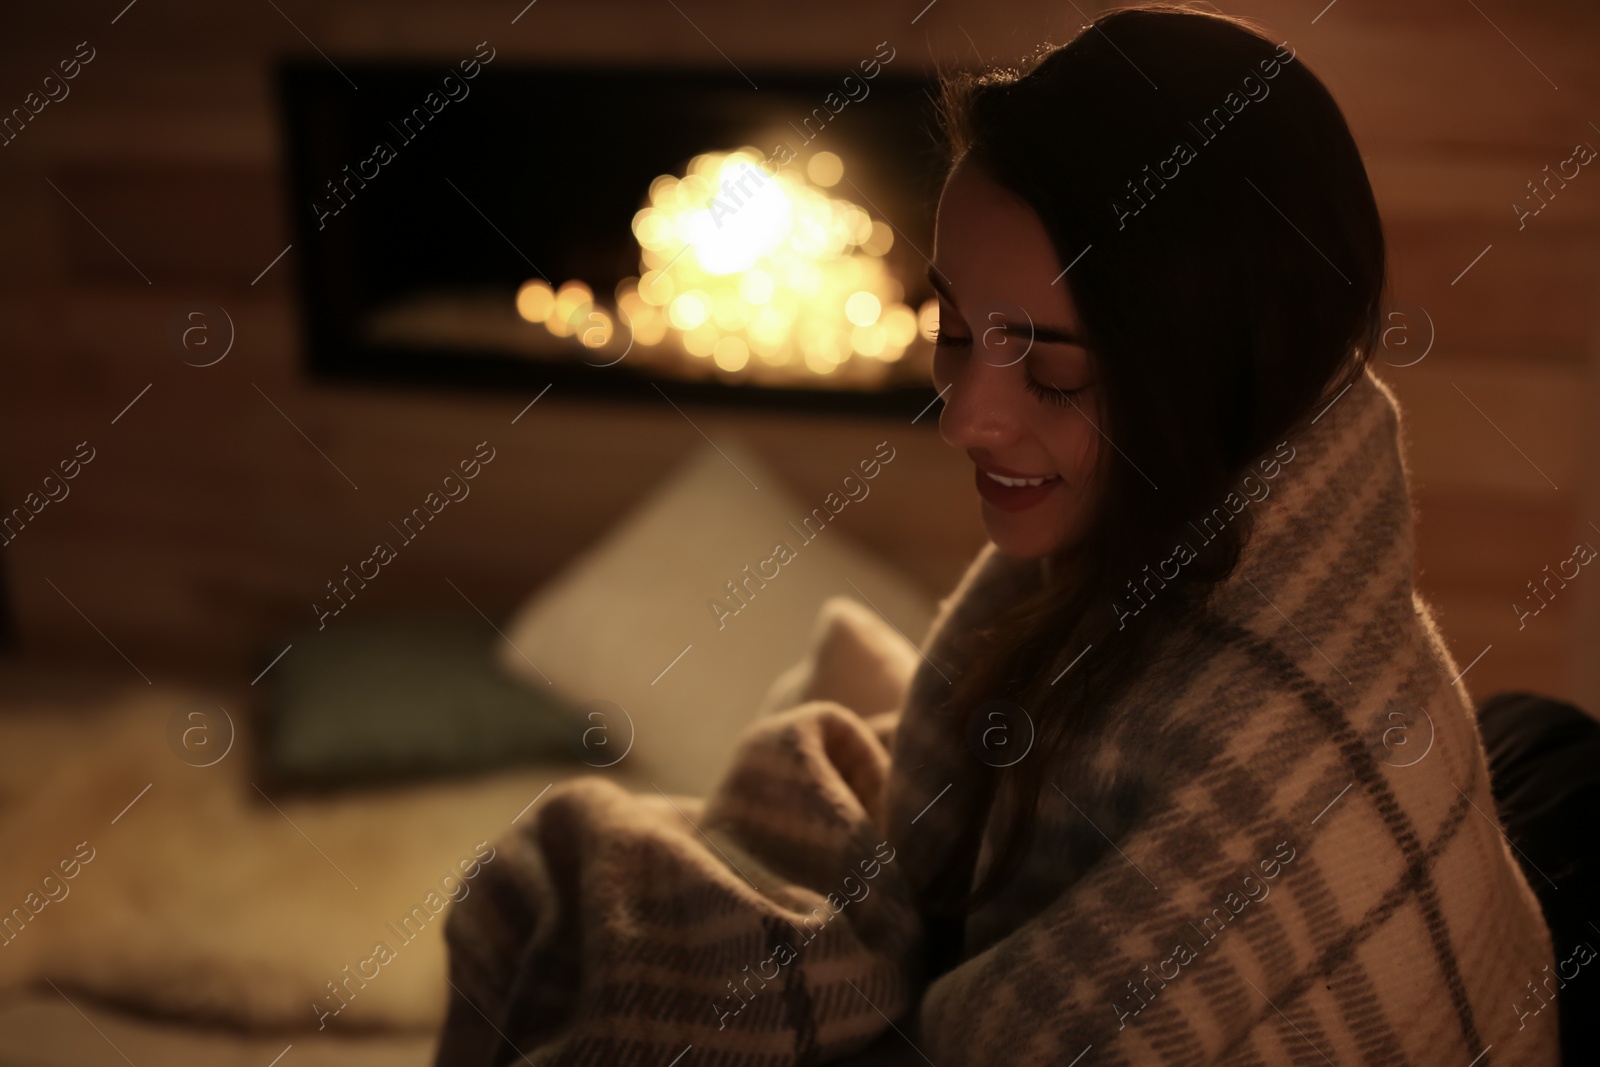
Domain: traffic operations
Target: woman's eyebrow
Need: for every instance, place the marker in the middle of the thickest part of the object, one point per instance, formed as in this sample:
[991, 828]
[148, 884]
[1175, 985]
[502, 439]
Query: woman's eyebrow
[1046, 334]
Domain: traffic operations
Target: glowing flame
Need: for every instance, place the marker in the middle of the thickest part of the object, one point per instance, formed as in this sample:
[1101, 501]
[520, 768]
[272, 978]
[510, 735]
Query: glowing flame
[742, 268]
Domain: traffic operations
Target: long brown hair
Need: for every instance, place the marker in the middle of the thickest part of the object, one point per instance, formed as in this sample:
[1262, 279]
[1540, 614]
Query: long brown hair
[1219, 303]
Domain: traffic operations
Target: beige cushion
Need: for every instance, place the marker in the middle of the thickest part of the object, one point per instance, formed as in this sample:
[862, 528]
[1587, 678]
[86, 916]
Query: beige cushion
[608, 626]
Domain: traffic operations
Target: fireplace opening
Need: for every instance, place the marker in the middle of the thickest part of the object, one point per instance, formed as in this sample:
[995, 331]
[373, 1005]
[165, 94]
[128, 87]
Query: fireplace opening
[618, 232]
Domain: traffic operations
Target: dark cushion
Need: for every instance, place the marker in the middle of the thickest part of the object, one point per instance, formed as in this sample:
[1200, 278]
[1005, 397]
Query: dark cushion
[1544, 766]
[408, 698]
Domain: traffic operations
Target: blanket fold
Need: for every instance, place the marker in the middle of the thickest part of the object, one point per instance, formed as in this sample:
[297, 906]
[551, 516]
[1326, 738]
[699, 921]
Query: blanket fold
[670, 922]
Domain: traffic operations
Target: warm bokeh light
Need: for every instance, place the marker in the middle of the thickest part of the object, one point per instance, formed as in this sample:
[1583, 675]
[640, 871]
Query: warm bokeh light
[749, 268]
[731, 354]
[596, 329]
[689, 310]
[879, 240]
[569, 313]
[535, 299]
[862, 308]
[825, 169]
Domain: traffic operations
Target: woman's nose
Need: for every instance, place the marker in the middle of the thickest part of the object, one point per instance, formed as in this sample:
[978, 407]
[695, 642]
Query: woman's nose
[980, 407]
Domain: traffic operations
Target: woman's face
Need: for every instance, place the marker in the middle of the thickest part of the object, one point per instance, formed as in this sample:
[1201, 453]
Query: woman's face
[1022, 402]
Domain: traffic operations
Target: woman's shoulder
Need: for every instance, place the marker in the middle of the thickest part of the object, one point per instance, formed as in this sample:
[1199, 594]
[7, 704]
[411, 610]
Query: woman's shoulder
[1274, 700]
[1360, 805]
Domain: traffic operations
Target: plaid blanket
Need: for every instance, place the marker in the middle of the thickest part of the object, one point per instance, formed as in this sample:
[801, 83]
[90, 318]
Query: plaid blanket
[1249, 865]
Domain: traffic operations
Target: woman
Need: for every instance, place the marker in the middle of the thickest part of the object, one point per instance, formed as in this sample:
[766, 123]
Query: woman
[1186, 774]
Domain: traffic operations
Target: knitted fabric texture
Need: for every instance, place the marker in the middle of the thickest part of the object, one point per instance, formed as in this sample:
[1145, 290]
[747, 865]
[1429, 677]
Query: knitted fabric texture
[1251, 864]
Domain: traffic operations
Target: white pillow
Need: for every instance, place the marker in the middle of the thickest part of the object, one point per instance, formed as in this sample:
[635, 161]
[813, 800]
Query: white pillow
[619, 616]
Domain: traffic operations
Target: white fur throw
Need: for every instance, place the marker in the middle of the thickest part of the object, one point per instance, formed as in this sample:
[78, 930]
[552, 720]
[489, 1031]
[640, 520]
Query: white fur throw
[204, 902]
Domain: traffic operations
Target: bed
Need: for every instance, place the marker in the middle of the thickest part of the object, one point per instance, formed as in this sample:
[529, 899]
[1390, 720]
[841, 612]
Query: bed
[159, 906]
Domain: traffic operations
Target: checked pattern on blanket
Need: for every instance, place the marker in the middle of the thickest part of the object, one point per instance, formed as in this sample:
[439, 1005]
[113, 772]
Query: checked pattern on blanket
[1237, 871]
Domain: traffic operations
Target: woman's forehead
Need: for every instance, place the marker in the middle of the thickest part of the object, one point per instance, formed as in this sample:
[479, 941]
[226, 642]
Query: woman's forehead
[991, 251]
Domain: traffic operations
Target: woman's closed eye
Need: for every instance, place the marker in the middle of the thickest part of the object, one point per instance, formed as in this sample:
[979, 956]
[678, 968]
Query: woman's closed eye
[1044, 390]
[1053, 393]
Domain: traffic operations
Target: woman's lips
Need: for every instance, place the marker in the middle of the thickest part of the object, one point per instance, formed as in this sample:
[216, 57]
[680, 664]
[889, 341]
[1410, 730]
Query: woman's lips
[1014, 497]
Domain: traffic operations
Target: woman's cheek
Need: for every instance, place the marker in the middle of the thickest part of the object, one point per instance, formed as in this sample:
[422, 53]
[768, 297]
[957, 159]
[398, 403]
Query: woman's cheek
[1074, 441]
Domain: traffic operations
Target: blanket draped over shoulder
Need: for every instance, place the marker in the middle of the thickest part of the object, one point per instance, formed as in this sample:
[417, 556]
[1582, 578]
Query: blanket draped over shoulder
[1249, 865]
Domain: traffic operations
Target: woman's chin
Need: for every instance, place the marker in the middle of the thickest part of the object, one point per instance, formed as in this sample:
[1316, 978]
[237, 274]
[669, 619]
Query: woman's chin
[1019, 537]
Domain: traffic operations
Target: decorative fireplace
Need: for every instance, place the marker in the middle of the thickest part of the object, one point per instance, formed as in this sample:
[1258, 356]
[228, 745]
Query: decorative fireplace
[616, 232]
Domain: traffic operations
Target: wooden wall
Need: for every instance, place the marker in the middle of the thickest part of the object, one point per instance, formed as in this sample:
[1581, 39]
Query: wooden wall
[206, 523]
